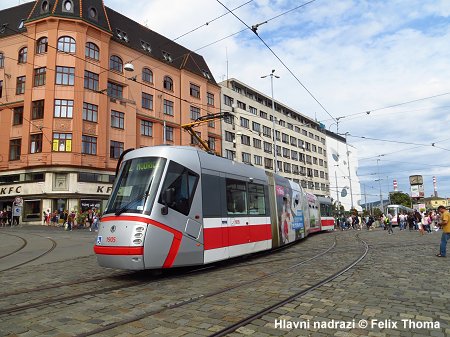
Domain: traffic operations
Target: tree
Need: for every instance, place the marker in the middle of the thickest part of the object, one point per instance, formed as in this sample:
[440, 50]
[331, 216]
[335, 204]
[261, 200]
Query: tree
[398, 198]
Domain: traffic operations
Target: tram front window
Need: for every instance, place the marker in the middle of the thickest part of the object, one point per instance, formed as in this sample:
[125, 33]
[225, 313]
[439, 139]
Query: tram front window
[136, 186]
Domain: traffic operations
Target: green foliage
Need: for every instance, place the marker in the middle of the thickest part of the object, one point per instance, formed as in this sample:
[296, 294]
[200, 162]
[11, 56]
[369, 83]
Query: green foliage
[377, 212]
[398, 198]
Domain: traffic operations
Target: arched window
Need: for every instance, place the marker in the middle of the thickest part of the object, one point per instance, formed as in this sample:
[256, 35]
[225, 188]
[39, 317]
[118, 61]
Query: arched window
[92, 51]
[168, 83]
[115, 63]
[42, 45]
[147, 75]
[2, 60]
[23, 55]
[66, 44]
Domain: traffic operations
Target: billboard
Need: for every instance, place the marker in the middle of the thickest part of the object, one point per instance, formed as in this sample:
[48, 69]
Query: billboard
[417, 191]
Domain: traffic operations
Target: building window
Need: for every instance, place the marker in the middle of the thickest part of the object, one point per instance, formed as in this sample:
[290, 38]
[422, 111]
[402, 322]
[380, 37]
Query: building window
[37, 109]
[90, 112]
[18, 115]
[256, 127]
[66, 44]
[14, 149]
[245, 123]
[267, 147]
[1, 89]
[194, 91]
[147, 101]
[36, 143]
[253, 110]
[210, 98]
[42, 45]
[267, 131]
[39, 76]
[245, 140]
[91, 80]
[2, 60]
[227, 100]
[212, 143]
[168, 83]
[246, 158]
[115, 90]
[168, 107]
[68, 6]
[194, 140]
[65, 75]
[195, 113]
[63, 108]
[92, 51]
[23, 55]
[20, 85]
[116, 63]
[62, 142]
[257, 143]
[229, 154]
[229, 136]
[115, 149]
[257, 160]
[146, 128]
[147, 75]
[268, 163]
[169, 133]
[117, 119]
[89, 145]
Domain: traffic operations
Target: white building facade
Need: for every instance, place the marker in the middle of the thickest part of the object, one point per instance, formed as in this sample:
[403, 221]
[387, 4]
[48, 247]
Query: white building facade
[344, 183]
[248, 137]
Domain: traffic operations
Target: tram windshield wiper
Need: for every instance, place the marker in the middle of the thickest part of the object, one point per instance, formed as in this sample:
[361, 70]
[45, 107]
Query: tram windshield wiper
[129, 203]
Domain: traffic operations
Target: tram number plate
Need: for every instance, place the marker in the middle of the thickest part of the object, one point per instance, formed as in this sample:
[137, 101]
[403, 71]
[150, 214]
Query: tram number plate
[111, 239]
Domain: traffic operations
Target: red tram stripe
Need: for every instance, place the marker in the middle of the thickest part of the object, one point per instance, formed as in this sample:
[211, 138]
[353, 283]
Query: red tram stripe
[176, 241]
[220, 237]
[118, 250]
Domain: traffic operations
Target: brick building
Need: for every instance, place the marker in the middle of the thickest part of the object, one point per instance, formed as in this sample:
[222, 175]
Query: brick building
[79, 84]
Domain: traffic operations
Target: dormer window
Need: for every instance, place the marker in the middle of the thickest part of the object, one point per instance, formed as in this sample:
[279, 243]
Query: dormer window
[44, 7]
[92, 13]
[146, 46]
[21, 24]
[122, 35]
[67, 6]
[206, 74]
[167, 57]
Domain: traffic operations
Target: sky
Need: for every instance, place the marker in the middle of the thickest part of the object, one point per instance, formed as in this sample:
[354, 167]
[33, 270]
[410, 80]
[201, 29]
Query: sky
[380, 68]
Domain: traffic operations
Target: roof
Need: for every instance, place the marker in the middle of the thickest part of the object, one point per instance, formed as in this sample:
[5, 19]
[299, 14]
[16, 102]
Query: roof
[124, 30]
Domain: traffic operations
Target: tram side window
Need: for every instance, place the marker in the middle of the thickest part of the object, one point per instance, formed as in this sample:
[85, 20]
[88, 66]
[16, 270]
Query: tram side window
[256, 199]
[236, 197]
[184, 183]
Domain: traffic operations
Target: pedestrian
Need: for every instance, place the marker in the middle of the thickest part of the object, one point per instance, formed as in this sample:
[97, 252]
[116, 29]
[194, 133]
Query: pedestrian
[388, 223]
[445, 225]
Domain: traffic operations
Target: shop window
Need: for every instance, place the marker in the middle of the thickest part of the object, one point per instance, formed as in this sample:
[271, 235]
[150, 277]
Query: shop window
[32, 210]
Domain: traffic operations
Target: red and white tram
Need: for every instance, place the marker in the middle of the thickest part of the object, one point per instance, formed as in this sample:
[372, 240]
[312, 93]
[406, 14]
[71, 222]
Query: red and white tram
[180, 206]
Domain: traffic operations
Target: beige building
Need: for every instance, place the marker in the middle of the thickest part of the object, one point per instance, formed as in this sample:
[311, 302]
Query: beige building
[79, 84]
[300, 143]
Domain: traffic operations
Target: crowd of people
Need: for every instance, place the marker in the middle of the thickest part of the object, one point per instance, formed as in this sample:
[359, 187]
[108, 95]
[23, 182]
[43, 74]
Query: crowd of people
[425, 222]
[72, 220]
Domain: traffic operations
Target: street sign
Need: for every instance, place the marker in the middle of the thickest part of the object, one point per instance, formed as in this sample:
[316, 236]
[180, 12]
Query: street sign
[17, 211]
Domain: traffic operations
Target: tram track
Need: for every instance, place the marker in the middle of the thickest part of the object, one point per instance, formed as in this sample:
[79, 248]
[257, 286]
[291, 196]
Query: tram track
[24, 243]
[262, 312]
[194, 298]
[176, 273]
[54, 244]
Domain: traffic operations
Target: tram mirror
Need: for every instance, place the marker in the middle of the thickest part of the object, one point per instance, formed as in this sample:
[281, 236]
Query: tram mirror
[168, 197]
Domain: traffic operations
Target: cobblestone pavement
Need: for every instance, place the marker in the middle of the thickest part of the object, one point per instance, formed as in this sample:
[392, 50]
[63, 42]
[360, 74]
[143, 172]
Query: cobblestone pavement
[400, 279]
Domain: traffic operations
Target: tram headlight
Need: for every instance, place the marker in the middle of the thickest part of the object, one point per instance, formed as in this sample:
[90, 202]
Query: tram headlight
[140, 229]
[138, 235]
[137, 241]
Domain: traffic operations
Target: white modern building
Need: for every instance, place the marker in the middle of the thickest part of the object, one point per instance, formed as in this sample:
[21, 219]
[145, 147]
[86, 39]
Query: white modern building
[345, 186]
[300, 143]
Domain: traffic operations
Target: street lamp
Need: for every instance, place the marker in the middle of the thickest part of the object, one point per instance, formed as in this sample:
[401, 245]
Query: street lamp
[348, 166]
[273, 117]
[379, 183]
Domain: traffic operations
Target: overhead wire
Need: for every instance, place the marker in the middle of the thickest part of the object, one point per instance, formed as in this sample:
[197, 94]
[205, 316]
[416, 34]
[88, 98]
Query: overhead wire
[254, 30]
